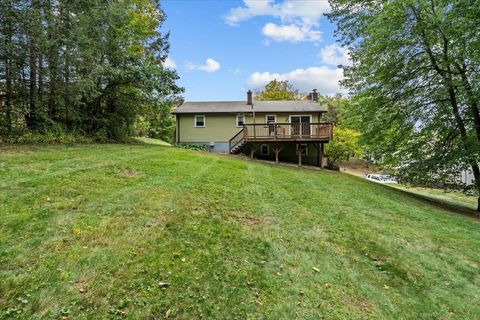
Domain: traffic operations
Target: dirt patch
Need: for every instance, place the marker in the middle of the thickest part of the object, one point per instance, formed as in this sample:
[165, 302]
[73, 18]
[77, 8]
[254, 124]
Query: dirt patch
[129, 172]
[248, 221]
[363, 306]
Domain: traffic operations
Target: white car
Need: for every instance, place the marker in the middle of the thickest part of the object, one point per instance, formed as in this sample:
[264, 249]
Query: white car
[380, 178]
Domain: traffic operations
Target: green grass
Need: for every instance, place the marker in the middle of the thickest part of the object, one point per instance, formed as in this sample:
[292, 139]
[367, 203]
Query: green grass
[94, 232]
[444, 196]
[151, 141]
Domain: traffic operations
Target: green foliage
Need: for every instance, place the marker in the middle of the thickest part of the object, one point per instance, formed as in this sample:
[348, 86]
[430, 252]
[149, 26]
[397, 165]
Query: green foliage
[337, 108]
[196, 147]
[157, 121]
[233, 239]
[415, 80]
[90, 66]
[50, 137]
[344, 145]
[277, 90]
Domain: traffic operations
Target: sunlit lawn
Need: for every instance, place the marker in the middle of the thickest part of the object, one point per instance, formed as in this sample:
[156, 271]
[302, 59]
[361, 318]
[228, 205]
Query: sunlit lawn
[152, 232]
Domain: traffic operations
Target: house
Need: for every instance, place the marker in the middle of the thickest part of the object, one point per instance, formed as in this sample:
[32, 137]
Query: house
[277, 130]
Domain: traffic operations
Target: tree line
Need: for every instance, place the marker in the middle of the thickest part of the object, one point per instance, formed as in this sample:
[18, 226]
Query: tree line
[415, 83]
[92, 67]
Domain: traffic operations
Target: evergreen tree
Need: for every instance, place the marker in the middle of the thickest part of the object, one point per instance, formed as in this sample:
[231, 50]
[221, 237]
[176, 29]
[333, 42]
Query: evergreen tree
[82, 66]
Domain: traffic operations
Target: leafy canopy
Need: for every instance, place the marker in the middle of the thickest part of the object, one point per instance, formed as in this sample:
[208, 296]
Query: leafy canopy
[277, 90]
[415, 83]
[93, 67]
[344, 145]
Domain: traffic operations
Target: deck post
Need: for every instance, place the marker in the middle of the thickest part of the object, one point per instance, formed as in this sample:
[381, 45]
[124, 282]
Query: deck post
[253, 148]
[277, 150]
[299, 159]
[321, 155]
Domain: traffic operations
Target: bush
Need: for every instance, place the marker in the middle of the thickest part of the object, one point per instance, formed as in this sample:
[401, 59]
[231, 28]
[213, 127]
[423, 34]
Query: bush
[197, 147]
[49, 137]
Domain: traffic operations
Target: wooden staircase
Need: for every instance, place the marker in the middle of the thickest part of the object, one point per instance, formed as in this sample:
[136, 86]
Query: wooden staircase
[237, 142]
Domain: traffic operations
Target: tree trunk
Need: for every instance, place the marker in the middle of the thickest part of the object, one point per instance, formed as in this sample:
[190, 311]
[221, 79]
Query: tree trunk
[32, 117]
[446, 74]
[8, 78]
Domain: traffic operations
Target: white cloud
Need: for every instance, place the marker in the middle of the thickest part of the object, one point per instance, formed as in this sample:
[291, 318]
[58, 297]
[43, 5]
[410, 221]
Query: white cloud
[325, 79]
[169, 63]
[210, 66]
[298, 17]
[335, 55]
[308, 11]
[290, 32]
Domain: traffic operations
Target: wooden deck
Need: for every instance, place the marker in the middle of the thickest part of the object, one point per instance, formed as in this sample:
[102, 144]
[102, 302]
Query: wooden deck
[282, 132]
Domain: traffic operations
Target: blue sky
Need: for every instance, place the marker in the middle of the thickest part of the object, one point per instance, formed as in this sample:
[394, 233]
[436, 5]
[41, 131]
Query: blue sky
[221, 49]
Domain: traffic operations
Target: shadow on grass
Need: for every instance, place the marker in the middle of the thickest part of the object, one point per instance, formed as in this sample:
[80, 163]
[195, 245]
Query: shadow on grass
[437, 203]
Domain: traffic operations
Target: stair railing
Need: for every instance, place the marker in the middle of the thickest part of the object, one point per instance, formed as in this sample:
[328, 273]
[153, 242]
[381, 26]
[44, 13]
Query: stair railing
[236, 140]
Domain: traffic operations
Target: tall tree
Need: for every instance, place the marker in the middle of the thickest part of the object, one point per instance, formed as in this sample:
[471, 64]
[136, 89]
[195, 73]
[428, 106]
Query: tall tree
[278, 90]
[415, 80]
[82, 66]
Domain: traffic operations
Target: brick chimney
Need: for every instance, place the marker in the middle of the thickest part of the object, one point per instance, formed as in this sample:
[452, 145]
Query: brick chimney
[249, 97]
[314, 95]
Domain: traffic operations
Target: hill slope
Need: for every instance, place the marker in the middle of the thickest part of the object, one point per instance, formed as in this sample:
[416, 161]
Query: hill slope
[143, 231]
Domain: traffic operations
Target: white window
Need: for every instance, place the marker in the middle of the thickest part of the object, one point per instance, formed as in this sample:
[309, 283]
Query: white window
[240, 120]
[265, 150]
[199, 121]
[271, 119]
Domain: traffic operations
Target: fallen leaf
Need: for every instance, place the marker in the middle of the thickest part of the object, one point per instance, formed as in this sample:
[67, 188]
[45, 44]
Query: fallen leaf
[76, 230]
[176, 254]
[82, 290]
[386, 287]
[162, 284]
[279, 274]
[167, 314]
[258, 302]
[316, 269]
[183, 259]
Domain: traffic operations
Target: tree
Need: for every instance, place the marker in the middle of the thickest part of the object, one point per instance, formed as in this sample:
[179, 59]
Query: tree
[344, 145]
[92, 67]
[337, 108]
[277, 90]
[415, 81]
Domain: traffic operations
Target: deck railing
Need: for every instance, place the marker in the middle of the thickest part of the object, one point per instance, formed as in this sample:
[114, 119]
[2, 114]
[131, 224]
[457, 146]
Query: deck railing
[237, 140]
[288, 131]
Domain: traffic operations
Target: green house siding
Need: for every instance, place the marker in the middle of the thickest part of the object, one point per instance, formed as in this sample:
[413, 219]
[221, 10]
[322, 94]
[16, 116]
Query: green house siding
[283, 117]
[218, 128]
[222, 127]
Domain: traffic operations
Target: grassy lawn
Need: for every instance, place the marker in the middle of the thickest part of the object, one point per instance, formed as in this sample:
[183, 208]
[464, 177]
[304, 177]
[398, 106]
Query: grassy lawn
[450, 197]
[153, 232]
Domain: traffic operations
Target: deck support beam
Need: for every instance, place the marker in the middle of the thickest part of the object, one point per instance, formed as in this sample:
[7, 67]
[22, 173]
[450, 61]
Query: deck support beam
[253, 149]
[277, 150]
[321, 154]
[300, 152]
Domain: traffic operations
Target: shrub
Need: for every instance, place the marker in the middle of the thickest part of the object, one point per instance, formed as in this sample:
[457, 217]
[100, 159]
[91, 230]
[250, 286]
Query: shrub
[197, 147]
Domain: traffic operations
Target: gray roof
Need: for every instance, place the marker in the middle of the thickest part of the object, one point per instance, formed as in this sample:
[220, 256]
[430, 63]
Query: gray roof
[241, 106]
